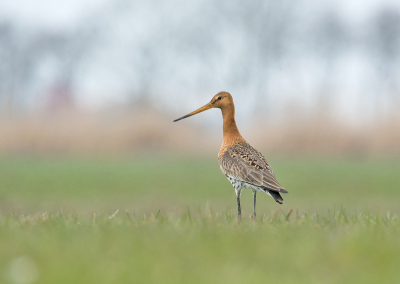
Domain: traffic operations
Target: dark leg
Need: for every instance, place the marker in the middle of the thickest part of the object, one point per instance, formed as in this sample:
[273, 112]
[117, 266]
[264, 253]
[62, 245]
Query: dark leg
[239, 211]
[254, 208]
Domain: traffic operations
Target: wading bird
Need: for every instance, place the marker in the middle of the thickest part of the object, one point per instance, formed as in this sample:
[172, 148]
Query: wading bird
[243, 165]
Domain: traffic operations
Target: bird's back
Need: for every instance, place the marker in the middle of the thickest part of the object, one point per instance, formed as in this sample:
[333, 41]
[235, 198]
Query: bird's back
[245, 163]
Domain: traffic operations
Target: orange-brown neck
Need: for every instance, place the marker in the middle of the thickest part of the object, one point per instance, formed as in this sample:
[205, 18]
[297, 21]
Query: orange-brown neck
[230, 130]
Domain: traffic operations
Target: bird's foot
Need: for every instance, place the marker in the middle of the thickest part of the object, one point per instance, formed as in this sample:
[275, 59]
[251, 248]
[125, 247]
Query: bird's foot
[239, 217]
[253, 216]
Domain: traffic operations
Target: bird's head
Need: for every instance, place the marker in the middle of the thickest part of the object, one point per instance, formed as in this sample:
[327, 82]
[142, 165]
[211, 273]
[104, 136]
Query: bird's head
[222, 100]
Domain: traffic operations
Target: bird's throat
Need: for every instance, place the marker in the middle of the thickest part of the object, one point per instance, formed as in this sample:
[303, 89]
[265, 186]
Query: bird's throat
[230, 131]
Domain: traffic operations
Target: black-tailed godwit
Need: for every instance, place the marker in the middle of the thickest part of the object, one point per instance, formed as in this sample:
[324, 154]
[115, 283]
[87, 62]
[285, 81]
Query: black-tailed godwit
[244, 166]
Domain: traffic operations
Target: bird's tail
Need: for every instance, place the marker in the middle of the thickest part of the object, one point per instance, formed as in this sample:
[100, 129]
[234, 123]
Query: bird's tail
[282, 190]
[275, 195]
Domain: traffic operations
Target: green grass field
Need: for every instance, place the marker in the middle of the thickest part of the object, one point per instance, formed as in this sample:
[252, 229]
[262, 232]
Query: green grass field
[173, 220]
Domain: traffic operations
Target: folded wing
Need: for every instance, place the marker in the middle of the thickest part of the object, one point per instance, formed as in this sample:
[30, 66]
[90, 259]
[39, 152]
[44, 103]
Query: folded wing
[247, 164]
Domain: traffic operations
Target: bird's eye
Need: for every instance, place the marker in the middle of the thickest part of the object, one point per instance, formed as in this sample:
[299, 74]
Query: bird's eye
[219, 98]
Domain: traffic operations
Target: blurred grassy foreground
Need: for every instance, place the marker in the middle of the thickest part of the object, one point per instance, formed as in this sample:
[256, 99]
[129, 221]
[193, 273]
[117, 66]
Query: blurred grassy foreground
[173, 220]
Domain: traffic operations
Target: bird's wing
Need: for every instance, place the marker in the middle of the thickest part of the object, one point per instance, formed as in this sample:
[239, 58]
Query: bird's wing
[247, 164]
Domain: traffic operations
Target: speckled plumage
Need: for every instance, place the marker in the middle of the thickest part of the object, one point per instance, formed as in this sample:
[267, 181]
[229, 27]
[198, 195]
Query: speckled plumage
[244, 166]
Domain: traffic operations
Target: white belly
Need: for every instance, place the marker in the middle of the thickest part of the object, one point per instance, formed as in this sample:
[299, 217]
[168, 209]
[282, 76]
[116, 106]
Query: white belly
[239, 185]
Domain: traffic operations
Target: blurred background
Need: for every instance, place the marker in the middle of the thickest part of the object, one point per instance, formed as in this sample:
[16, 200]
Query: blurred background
[109, 76]
[90, 157]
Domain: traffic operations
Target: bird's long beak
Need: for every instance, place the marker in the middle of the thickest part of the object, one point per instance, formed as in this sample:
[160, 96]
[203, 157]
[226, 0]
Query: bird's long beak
[206, 107]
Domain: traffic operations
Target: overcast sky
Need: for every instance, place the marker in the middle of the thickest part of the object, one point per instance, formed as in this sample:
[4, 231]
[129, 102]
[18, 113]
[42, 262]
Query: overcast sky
[60, 14]
[49, 14]
[63, 15]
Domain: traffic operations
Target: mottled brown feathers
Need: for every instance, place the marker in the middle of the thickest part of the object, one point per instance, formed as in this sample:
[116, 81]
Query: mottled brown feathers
[245, 163]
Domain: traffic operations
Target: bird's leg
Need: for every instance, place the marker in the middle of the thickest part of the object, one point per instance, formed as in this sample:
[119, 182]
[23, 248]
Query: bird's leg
[239, 211]
[254, 208]
[238, 202]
